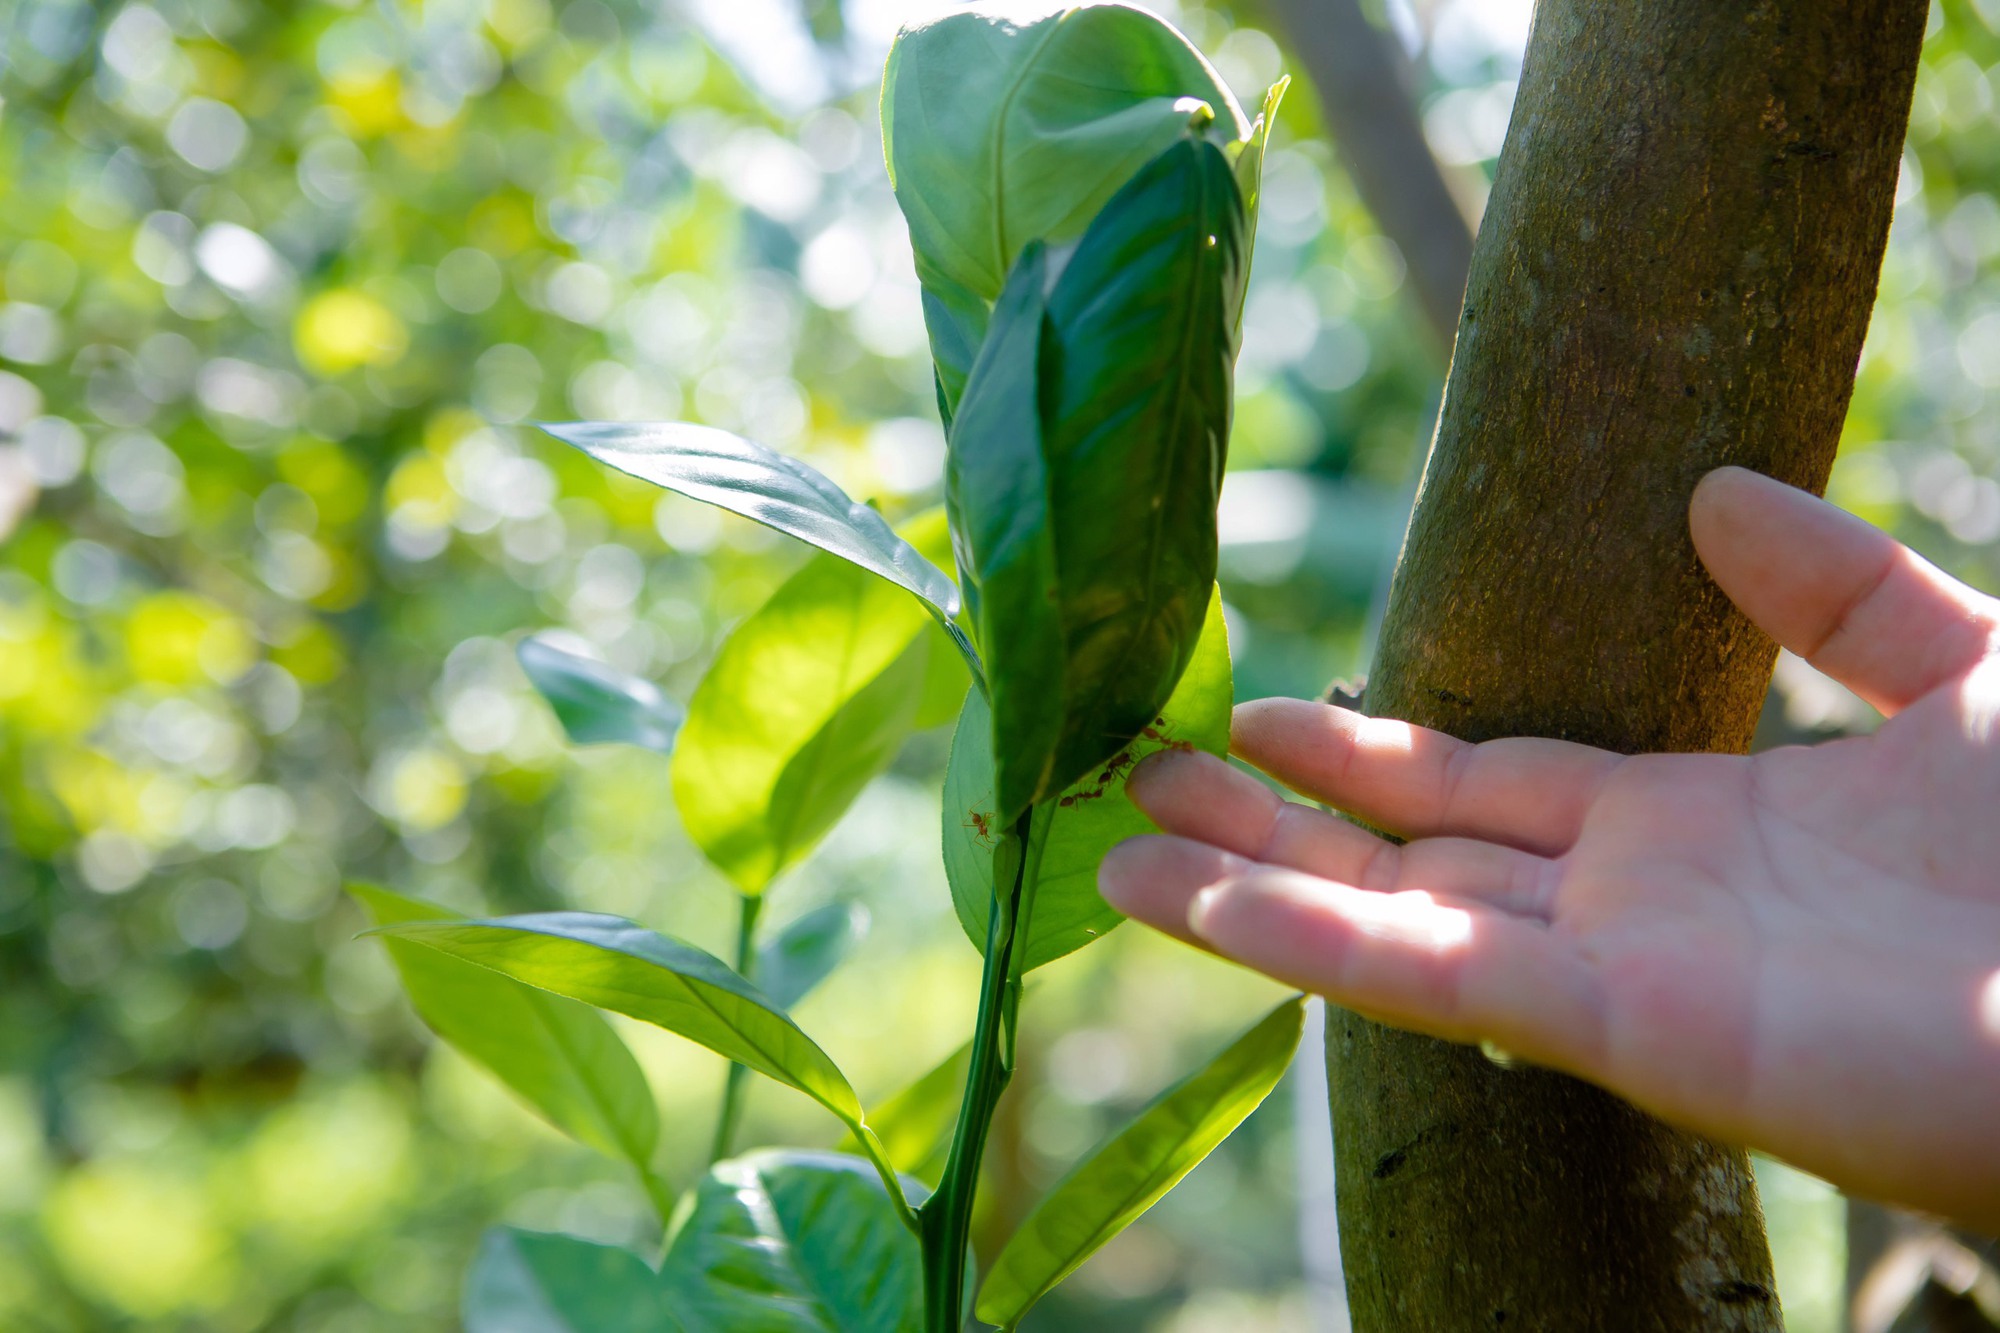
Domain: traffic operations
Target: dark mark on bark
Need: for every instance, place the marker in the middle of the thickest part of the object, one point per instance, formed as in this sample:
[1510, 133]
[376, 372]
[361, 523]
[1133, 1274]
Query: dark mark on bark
[1389, 1163]
[1739, 1292]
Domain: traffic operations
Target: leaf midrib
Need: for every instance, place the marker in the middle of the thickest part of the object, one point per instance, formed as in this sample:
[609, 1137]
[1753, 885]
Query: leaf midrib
[1001, 123]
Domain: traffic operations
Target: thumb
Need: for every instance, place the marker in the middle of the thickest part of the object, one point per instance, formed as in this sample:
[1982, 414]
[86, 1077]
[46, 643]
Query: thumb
[1857, 604]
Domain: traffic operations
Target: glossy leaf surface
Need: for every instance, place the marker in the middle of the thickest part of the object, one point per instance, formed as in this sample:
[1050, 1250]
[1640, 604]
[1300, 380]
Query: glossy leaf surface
[1132, 1171]
[559, 1056]
[597, 703]
[747, 478]
[997, 493]
[793, 1242]
[807, 950]
[808, 699]
[1137, 357]
[530, 1282]
[1068, 911]
[613, 964]
[1000, 132]
[914, 1126]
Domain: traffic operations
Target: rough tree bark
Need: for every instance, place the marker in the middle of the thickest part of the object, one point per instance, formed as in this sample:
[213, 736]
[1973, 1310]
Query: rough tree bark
[1674, 272]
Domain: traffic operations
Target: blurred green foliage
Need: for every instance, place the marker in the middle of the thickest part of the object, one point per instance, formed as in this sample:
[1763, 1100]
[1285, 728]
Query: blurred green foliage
[279, 286]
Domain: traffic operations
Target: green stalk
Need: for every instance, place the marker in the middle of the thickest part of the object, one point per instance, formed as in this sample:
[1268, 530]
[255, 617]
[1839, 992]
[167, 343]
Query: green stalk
[658, 1195]
[945, 1219]
[733, 1083]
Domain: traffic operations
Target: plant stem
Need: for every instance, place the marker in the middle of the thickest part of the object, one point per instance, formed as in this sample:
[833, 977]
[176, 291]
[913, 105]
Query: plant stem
[946, 1217]
[733, 1083]
[658, 1195]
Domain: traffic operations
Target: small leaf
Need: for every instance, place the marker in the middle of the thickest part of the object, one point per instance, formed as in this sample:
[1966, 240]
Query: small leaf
[1250, 181]
[915, 1125]
[997, 493]
[614, 964]
[596, 703]
[807, 950]
[1109, 1189]
[1000, 132]
[1091, 818]
[793, 1242]
[746, 478]
[529, 1282]
[808, 700]
[557, 1055]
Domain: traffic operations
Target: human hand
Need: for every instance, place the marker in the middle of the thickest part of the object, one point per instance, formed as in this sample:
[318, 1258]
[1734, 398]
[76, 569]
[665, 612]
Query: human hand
[1798, 950]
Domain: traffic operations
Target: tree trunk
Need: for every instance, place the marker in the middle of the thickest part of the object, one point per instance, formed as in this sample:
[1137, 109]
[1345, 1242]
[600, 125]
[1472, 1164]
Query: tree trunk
[1674, 272]
[1367, 99]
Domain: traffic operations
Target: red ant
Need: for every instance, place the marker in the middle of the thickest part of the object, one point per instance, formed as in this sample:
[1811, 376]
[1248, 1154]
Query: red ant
[981, 824]
[1079, 797]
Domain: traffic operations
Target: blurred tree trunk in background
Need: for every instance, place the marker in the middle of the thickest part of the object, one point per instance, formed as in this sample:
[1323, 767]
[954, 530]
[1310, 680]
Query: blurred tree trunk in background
[1912, 1274]
[1367, 97]
[1674, 272]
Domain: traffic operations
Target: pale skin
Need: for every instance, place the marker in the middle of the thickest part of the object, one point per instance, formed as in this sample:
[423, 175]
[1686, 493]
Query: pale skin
[1799, 951]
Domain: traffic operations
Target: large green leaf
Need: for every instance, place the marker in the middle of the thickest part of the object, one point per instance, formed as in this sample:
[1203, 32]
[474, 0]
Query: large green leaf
[802, 955]
[914, 1126]
[1089, 820]
[997, 493]
[1132, 1171]
[596, 703]
[793, 1242]
[810, 698]
[1135, 387]
[529, 1282]
[1000, 131]
[559, 1056]
[747, 478]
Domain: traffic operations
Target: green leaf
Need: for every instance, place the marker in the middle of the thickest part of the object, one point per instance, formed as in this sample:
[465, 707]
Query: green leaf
[914, 1126]
[1135, 390]
[793, 1242]
[809, 699]
[997, 493]
[746, 478]
[530, 1282]
[559, 1056]
[596, 703]
[1109, 1189]
[1250, 181]
[1091, 818]
[1000, 132]
[614, 964]
[802, 955]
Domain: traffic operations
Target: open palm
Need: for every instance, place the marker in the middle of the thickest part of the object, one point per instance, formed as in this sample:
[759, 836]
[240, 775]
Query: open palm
[1799, 950]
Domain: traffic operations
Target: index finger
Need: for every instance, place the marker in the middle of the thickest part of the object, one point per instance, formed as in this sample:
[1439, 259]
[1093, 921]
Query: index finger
[1851, 600]
[1523, 792]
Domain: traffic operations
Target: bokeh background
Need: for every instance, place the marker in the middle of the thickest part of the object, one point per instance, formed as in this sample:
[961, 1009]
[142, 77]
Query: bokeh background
[281, 286]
